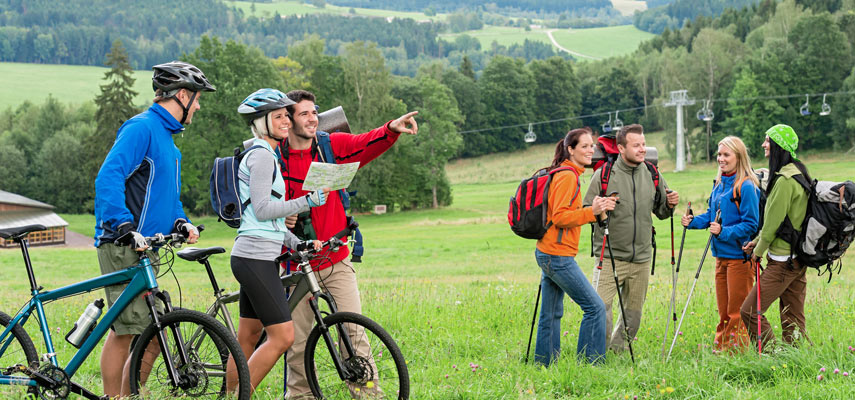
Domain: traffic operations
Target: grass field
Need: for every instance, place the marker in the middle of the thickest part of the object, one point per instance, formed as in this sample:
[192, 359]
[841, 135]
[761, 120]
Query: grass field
[67, 83]
[456, 289]
[594, 42]
[503, 35]
[602, 42]
[286, 8]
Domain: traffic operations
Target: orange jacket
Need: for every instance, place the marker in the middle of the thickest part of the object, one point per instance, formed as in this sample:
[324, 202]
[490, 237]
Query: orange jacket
[567, 219]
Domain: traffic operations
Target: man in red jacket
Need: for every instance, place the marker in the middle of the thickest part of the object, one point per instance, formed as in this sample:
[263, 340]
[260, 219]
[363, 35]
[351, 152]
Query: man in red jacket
[296, 155]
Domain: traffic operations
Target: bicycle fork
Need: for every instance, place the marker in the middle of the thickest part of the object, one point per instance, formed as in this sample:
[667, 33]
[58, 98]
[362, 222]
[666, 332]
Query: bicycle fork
[171, 371]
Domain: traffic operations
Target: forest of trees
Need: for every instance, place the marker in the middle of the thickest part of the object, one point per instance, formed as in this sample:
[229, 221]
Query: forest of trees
[551, 6]
[754, 65]
[81, 32]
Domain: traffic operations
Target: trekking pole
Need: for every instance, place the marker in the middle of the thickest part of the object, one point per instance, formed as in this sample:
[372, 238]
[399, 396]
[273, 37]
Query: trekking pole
[533, 318]
[617, 286]
[759, 326]
[599, 267]
[674, 274]
[689, 299]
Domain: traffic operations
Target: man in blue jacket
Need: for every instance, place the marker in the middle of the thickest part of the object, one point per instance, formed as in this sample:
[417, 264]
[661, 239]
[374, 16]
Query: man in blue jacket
[137, 192]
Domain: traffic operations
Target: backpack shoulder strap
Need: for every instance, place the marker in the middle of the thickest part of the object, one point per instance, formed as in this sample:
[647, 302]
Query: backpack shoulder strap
[736, 198]
[325, 147]
[605, 174]
[654, 175]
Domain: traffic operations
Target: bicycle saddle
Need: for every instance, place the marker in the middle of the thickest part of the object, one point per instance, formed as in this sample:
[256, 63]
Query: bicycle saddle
[19, 232]
[196, 254]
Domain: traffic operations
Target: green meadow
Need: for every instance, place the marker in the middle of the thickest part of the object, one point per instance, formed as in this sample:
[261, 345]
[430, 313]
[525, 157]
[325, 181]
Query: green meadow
[602, 42]
[285, 8]
[456, 289]
[67, 83]
[594, 42]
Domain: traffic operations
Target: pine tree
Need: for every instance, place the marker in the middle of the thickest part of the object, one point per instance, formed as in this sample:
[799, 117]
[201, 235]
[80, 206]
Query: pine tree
[466, 68]
[114, 107]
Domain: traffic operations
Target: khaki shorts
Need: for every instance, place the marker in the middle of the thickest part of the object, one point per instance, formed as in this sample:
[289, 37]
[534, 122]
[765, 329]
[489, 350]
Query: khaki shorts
[135, 318]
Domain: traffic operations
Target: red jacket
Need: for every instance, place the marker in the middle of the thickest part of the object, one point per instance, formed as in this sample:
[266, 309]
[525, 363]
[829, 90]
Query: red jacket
[329, 219]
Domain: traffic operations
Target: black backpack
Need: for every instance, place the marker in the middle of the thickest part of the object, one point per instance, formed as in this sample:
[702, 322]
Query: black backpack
[829, 225]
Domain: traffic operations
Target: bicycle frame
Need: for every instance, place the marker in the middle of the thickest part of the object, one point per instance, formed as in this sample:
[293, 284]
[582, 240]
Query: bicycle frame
[140, 279]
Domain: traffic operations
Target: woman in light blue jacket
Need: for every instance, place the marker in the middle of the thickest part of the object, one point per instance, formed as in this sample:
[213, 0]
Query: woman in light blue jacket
[736, 194]
[262, 233]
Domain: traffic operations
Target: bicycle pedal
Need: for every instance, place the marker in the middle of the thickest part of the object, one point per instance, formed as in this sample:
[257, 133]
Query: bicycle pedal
[15, 369]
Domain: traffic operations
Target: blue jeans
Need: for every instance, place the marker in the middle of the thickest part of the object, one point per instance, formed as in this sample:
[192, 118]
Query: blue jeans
[562, 275]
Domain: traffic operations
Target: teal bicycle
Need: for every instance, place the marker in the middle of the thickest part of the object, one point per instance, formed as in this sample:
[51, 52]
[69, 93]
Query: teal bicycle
[182, 368]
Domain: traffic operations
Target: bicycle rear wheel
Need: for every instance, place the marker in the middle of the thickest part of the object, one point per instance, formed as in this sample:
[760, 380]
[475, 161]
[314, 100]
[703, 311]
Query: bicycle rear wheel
[207, 344]
[18, 348]
[375, 370]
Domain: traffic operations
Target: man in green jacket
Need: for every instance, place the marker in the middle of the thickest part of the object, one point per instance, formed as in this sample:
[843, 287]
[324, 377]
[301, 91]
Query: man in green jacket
[630, 230]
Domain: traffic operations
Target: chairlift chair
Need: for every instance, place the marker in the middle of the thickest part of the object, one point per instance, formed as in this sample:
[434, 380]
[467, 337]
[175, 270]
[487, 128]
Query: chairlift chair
[618, 124]
[530, 137]
[708, 115]
[805, 109]
[607, 127]
[826, 109]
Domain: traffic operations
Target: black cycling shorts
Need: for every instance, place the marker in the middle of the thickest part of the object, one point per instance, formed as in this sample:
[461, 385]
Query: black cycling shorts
[262, 296]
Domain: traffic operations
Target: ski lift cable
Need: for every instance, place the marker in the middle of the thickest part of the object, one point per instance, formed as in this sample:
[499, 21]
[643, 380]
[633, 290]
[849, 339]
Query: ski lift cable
[736, 99]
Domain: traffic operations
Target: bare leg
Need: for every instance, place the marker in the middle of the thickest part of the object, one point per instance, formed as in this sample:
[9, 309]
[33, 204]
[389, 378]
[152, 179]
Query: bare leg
[114, 356]
[249, 331]
[151, 353]
[280, 337]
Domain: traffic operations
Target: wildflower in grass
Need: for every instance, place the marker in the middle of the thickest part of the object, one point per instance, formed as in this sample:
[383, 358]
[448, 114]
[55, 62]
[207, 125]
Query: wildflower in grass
[661, 391]
[566, 333]
[836, 371]
[822, 369]
[446, 376]
[785, 365]
[454, 366]
[669, 389]
[680, 333]
[845, 373]
[819, 377]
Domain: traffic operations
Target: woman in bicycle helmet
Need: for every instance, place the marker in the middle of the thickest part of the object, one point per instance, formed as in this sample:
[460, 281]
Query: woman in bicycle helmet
[262, 233]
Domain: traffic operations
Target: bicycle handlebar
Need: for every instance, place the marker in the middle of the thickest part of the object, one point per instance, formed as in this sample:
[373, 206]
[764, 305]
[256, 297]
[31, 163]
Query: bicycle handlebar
[304, 250]
[159, 239]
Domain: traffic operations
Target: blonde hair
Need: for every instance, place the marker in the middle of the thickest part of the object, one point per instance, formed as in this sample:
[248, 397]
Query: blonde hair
[743, 163]
[261, 127]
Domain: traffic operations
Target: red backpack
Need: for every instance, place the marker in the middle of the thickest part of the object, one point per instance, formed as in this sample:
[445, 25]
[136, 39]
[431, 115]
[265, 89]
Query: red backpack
[528, 208]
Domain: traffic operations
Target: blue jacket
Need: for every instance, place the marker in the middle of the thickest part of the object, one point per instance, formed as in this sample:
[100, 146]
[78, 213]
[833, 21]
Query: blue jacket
[737, 224]
[140, 180]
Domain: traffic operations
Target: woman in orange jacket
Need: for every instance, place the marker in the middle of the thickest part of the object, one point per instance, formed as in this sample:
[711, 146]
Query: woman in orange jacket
[557, 249]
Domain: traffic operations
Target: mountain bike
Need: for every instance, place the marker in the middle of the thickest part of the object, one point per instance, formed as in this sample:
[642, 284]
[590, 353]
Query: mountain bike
[180, 369]
[336, 366]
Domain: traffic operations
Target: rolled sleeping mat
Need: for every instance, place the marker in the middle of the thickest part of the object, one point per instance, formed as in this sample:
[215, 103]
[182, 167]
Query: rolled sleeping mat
[651, 156]
[333, 120]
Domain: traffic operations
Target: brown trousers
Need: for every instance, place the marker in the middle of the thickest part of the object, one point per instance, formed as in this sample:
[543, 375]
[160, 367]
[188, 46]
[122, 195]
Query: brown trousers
[733, 282]
[778, 281]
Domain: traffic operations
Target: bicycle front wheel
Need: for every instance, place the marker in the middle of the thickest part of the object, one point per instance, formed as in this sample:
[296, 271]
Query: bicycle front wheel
[374, 368]
[16, 349]
[207, 345]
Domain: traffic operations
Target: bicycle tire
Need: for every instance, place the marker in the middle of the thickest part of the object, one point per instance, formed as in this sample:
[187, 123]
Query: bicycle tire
[12, 354]
[203, 376]
[385, 362]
